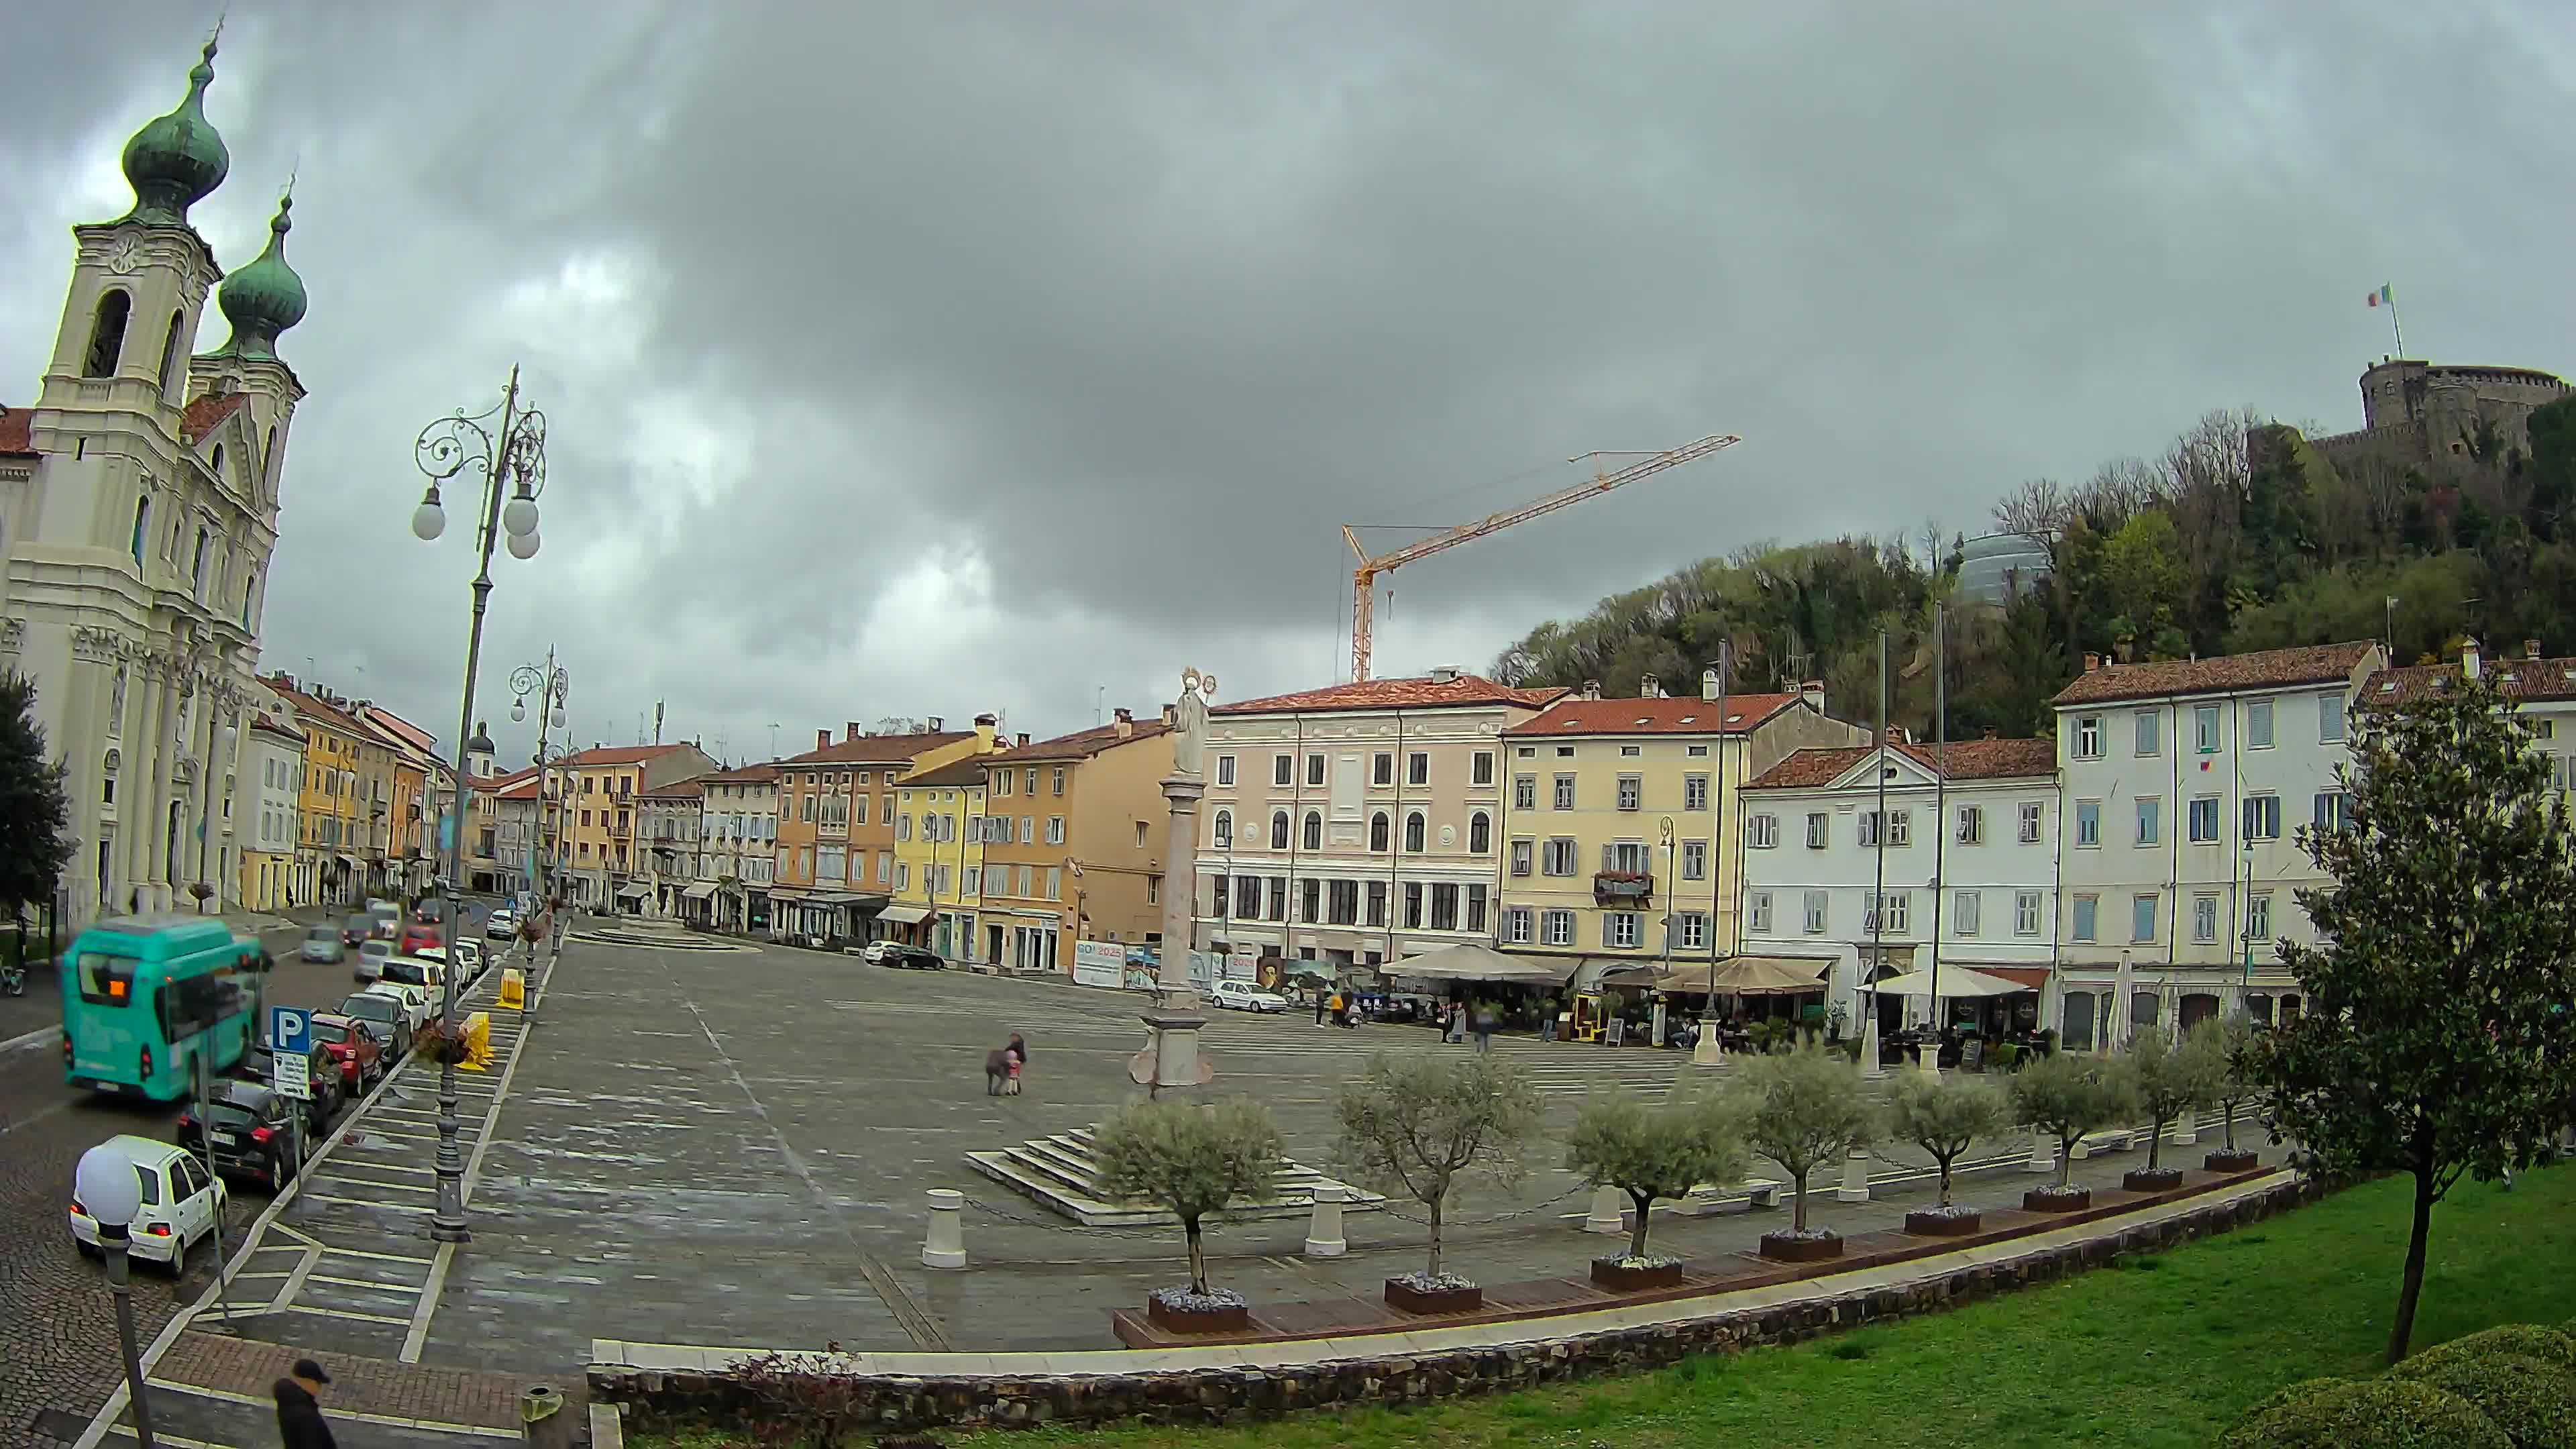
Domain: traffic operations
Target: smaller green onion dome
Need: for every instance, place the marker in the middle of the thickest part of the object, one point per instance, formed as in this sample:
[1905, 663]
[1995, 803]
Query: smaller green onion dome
[264, 298]
[176, 161]
[481, 743]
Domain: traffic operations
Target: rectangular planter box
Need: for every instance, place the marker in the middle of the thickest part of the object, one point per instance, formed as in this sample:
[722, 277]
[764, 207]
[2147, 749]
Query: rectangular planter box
[1800, 1250]
[2038, 1200]
[1943, 1225]
[1407, 1298]
[1234, 1318]
[1610, 1274]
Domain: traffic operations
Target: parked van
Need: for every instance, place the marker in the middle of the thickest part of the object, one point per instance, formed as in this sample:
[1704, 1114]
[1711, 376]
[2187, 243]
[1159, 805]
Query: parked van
[142, 995]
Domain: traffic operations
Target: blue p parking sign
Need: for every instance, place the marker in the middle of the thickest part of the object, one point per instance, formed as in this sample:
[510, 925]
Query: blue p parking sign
[290, 1031]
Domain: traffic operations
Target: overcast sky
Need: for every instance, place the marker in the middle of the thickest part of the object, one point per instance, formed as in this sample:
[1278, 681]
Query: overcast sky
[912, 359]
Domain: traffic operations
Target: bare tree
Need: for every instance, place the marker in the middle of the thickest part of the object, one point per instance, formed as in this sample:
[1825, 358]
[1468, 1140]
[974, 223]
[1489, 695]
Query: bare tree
[1413, 1124]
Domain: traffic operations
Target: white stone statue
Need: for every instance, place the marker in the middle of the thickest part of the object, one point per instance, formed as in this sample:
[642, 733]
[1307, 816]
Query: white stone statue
[1189, 732]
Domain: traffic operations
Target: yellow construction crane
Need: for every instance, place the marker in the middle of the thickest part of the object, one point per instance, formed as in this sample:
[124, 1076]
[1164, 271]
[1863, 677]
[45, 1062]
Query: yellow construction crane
[1364, 577]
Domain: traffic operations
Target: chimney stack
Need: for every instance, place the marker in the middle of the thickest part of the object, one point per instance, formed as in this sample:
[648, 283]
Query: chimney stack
[1592, 689]
[1649, 687]
[2531, 649]
[1990, 732]
[1171, 714]
[2092, 661]
[1813, 692]
[1022, 738]
[822, 739]
[933, 725]
[2469, 662]
[1708, 686]
[851, 731]
[1444, 674]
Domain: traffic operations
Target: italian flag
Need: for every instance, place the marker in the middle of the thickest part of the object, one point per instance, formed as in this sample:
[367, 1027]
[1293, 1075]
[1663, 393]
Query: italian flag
[2386, 296]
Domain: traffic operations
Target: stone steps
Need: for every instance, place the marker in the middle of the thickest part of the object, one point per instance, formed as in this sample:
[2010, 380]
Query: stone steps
[1061, 1173]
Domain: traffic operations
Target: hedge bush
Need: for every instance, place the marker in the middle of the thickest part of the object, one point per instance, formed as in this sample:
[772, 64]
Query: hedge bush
[2534, 1403]
[2522, 1340]
[2374, 1414]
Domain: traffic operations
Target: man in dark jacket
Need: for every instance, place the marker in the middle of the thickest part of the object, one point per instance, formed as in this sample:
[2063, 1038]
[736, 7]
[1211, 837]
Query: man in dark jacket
[299, 1412]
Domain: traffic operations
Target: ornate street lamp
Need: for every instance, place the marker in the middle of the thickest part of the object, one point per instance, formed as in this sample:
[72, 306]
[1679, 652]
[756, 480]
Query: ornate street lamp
[104, 1186]
[509, 457]
[552, 686]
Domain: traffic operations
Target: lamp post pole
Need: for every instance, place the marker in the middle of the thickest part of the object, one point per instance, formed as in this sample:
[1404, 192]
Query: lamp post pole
[512, 453]
[107, 1188]
[552, 686]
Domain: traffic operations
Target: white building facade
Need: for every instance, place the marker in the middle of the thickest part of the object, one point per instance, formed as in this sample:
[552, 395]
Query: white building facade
[1290, 862]
[737, 850]
[138, 509]
[2185, 782]
[272, 762]
[1961, 866]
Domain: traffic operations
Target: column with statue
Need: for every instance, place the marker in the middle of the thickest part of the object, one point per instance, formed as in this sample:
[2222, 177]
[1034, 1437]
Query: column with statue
[1171, 1059]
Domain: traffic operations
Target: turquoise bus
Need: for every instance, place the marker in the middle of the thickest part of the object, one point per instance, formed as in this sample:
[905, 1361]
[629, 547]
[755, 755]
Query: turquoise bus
[143, 994]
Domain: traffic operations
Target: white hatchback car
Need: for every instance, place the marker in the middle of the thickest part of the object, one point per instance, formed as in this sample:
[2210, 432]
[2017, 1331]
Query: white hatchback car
[181, 1204]
[417, 1007]
[1244, 996]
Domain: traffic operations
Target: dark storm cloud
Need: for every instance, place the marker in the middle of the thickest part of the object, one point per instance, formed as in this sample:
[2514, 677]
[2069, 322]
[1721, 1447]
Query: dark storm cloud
[897, 355]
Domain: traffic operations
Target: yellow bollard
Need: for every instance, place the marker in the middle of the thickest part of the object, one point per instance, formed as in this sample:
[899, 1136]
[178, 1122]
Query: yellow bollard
[514, 989]
[478, 1043]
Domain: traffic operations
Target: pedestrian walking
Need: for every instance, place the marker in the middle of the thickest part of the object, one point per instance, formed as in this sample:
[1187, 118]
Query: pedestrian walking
[1457, 1034]
[1547, 1019]
[1321, 1006]
[299, 1407]
[1484, 1028]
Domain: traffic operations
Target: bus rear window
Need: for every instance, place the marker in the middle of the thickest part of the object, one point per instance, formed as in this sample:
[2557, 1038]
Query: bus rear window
[104, 980]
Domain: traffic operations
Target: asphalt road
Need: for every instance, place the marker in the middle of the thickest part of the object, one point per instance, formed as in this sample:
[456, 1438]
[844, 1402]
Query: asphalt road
[58, 1347]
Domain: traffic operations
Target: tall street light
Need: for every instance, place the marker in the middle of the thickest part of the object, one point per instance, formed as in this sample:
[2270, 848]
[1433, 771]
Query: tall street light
[552, 686]
[510, 458]
[106, 1187]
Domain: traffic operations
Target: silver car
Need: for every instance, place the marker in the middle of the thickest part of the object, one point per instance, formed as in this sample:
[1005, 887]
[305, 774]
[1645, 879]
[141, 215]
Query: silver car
[372, 956]
[321, 943]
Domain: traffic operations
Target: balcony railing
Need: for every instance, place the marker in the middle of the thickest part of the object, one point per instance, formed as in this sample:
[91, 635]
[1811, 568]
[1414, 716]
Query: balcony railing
[1623, 887]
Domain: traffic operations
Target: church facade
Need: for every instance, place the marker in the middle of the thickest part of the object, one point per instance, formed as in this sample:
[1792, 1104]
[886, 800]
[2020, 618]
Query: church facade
[138, 512]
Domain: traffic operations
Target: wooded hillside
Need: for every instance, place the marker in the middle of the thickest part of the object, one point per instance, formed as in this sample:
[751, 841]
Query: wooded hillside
[2240, 536]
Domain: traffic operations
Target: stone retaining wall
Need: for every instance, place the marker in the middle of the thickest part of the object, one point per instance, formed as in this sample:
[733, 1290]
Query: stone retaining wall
[893, 1404]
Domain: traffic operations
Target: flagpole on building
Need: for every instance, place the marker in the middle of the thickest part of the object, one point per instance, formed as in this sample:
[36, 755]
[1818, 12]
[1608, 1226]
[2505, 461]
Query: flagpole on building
[2386, 297]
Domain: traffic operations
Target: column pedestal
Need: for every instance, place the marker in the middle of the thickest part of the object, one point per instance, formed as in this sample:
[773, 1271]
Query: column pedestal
[1855, 1186]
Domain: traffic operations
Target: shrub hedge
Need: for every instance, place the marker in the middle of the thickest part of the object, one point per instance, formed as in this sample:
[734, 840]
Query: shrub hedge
[2369, 1414]
[2533, 1402]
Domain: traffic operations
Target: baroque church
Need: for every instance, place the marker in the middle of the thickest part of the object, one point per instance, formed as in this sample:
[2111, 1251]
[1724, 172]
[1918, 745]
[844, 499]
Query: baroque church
[138, 510]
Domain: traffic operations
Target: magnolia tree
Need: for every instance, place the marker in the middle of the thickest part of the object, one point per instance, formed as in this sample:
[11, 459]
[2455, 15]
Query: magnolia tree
[1189, 1160]
[1653, 1152]
[1945, 1116]
[2067, 1095]
[1416, 1124]
[1802, 1108]
[2228, 1040]
[2171, 1079]
[2437, 1040]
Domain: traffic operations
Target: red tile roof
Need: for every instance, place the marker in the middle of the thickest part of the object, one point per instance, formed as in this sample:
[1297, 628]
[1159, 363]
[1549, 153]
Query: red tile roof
[263, 722]
[208, 411]
[315, 705]
[1968, 760]
[1080, 745]
[877, 749]
[746, 775]
[618, 755]
[15, 425]
[2521, 679]
[690, 789]
[2226, 674]
[1419, 693]
[1654, 716]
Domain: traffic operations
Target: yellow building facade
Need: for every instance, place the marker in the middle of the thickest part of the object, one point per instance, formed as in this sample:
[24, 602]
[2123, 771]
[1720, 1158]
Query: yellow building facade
[1075, 830]
[939, 856]
[331, 813]
[1621, 826]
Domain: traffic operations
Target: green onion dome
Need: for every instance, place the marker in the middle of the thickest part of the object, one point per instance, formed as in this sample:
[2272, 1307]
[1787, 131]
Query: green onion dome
[175, 161]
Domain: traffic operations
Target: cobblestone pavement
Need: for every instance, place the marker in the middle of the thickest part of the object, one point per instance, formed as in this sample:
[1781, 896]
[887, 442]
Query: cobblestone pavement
[58, 1347]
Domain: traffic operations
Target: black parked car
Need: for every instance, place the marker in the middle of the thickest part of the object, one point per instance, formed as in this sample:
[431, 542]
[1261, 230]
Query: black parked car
[245, 1132]
[914, 958]
[329, 1092]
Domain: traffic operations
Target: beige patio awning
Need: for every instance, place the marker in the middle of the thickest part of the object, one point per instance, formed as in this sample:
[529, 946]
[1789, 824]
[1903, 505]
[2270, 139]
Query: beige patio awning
[1471, 962]
[905, 915]
[699, 892]
[1956, 981]
[1734, 976]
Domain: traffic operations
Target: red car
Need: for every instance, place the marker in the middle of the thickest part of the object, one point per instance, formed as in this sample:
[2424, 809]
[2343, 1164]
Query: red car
[353, 1048]
[418, 935]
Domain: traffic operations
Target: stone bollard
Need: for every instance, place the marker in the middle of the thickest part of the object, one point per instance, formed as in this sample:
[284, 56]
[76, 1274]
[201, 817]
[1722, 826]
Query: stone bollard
[1708, 1051]
[1324, 1230]
[543, 1422]
[945, 1247]
[1855, 1186]
[2043, 1152]
[2186, 1130]
[1609, 1211]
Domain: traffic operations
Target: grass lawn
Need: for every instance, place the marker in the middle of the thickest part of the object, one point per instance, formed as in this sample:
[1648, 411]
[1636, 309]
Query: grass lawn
[2162, 1351]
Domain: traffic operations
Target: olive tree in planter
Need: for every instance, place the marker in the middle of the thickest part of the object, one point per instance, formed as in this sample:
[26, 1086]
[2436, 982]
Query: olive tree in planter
[2171, 1079]
[1414, 1125]
[1945, 1116]
[1649, 1153]
[2066, 1096]
[1802, 1108]
[2227, 1040]
[1191, 1161]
